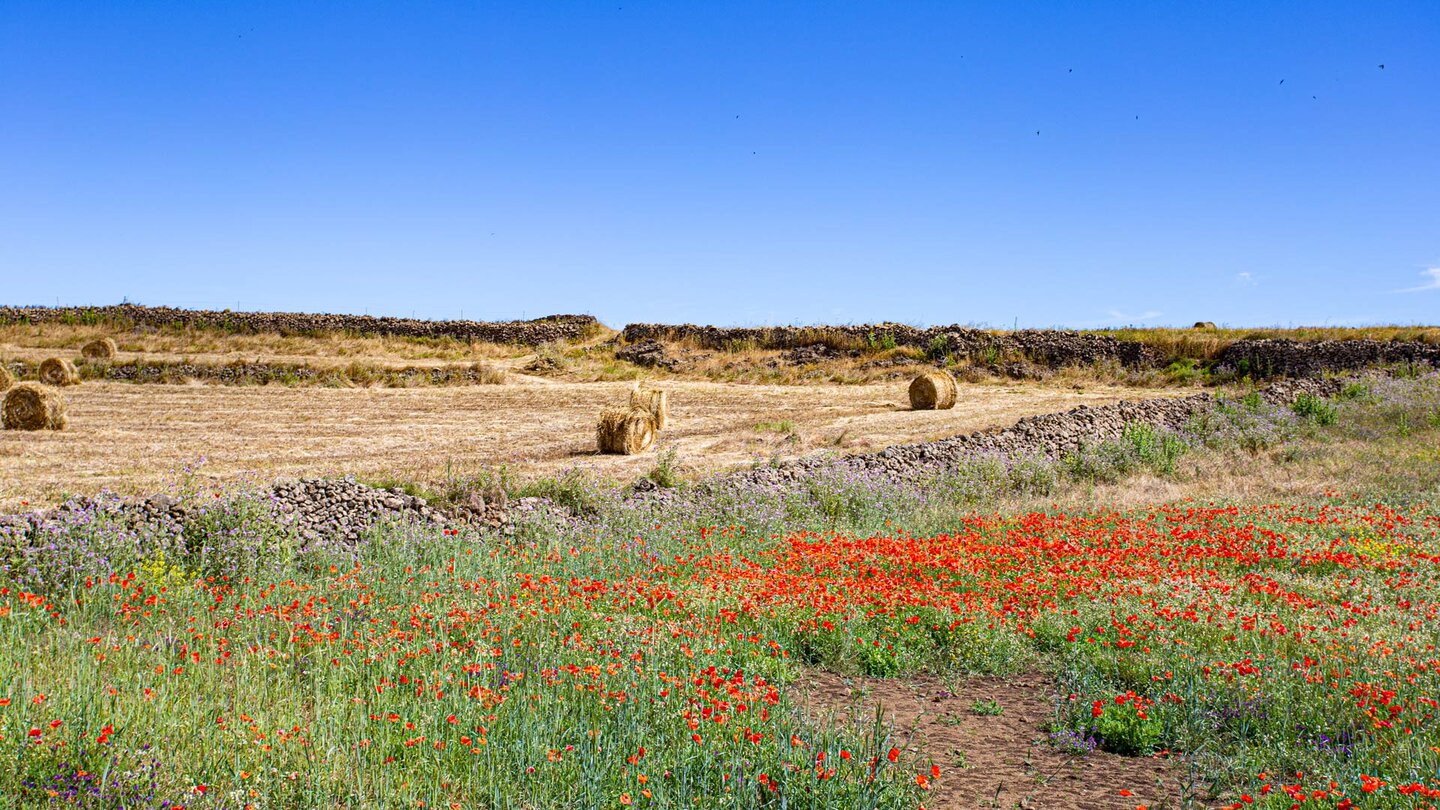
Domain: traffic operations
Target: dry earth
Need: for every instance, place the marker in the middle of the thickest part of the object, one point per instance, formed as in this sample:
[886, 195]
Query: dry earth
[989, 760]
[135, 439]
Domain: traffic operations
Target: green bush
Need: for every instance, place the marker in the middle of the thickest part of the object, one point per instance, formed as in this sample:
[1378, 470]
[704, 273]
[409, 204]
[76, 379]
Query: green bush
[938, 349]
[1315, 409]
[1185, 370]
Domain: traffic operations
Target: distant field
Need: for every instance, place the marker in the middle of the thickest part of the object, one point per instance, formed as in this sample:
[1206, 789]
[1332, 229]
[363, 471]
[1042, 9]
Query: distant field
[136, 438]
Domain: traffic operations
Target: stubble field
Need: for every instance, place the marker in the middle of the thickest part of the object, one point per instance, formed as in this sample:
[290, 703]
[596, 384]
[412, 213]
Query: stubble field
[136, 439]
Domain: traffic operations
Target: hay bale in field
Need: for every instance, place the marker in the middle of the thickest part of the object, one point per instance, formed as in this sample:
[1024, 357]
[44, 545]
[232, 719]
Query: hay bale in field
[656, 402]
[626, 431]
[1205, 325]
[31, 406]
[102, 349]
[933, 390]
[59, 372]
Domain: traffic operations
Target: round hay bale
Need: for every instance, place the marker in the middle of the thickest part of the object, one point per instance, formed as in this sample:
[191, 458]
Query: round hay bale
[933, 390]
[59, 372]
[1205, 325]
[625, 431]
[6, 378]
[656, 402]
[31, 406]
[102, 349]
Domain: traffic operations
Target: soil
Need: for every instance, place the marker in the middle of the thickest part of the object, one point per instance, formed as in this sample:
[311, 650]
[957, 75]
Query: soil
[134, 439]
[996, 760]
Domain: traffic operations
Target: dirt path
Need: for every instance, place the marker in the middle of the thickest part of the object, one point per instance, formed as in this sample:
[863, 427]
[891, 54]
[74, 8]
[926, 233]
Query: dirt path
[135, 438]
[1000, 760]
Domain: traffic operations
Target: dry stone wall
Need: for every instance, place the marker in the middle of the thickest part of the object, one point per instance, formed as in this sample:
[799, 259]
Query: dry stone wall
[534, 332]
[334, 509]
[1050, 435]
[1293, 358]
[1048, 348]
[1052, 348]
[245, 372]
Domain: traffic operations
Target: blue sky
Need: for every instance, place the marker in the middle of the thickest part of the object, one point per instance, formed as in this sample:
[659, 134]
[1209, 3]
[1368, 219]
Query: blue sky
[728, 162]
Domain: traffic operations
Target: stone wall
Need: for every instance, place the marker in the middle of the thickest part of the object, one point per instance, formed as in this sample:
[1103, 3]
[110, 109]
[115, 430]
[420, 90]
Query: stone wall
[541, 330]
[1279, 357]
[244, 372]
[336, 509]
[1049, 435]
[1050, 348]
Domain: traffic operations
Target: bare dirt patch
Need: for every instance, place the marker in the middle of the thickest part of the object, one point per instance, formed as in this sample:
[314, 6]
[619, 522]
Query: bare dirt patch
[995, 760]
[133, 439]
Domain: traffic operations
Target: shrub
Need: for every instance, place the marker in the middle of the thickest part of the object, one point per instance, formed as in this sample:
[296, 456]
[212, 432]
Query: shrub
[884, 342]
[1355, 391]
[574, 490]
[1185, 370]
[1155, 449]
[1315, 409]
[938, 349]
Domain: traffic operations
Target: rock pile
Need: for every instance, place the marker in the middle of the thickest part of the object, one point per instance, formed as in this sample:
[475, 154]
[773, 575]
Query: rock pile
[815, 353]
[342, 509]
[529, 333]
[648, 353]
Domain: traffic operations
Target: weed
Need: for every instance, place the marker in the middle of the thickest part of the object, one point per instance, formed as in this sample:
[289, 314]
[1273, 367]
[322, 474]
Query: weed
[784, 426]
[987, 708]
[574, 490]
[1315, 409]
[1355, 391]
[1186, 370]
[884, 342]
[665, 472]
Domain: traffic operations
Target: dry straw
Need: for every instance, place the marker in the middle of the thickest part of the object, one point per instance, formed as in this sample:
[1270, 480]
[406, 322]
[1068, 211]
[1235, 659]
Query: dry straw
[59, 372]
[6, 379]
[31, 406]
[933, 390]
[625, 431]
[102, 349]
[656, 402]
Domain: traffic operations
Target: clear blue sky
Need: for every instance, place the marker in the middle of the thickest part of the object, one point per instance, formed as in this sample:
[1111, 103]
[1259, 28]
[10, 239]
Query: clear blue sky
[728, 162]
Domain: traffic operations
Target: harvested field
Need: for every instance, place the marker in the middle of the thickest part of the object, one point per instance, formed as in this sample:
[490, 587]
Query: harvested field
[135, 439]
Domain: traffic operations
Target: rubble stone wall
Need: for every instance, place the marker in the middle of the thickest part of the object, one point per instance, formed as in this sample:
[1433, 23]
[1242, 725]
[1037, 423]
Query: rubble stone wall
[534, 332]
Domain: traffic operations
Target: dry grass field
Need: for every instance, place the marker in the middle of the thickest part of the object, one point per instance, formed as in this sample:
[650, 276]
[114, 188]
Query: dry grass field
[136, 439]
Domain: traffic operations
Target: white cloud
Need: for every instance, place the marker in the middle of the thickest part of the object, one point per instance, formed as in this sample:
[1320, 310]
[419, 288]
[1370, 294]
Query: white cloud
[1433, 284]
[1245, 279]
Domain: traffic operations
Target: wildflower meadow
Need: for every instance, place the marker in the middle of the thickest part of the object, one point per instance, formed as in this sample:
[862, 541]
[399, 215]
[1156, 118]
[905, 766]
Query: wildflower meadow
[642, 653]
